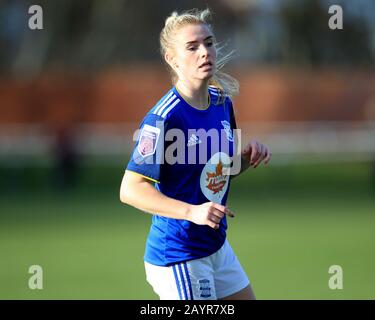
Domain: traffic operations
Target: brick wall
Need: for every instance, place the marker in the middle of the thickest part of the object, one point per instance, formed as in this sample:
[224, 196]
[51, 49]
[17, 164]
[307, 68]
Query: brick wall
[125, 96]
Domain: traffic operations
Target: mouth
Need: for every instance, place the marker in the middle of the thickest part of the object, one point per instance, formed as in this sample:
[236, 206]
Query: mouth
[205, 64]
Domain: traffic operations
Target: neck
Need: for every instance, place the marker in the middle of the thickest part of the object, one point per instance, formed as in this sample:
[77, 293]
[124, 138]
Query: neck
[195, 94]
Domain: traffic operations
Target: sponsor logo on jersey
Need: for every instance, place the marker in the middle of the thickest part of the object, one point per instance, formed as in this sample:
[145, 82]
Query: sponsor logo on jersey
[214, 182]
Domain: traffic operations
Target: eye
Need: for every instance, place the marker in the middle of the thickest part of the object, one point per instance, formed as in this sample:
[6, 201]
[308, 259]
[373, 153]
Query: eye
[192, 48]
[210, 44]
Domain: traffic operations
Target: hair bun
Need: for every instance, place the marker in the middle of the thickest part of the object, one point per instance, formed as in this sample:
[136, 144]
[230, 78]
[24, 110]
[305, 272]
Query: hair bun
[171, 18]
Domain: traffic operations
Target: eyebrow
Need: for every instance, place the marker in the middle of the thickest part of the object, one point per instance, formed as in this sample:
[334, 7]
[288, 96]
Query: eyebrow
[195, 41]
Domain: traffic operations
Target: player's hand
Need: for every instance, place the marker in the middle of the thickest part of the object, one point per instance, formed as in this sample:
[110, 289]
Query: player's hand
[209, 213]
[256, 152]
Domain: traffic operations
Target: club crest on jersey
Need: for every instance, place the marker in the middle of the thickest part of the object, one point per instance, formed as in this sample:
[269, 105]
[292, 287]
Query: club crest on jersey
[204, 287]
[227, 129]
[148, 140]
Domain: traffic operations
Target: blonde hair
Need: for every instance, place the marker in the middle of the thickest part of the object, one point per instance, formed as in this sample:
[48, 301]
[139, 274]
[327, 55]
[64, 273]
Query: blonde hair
[226, 84]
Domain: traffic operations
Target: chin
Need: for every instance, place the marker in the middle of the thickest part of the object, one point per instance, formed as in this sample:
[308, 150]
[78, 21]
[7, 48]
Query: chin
[204, 77]
[208, 76]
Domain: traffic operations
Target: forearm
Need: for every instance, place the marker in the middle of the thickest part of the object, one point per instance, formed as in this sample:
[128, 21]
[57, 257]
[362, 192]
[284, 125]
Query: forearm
[244, 166]
[145, 197]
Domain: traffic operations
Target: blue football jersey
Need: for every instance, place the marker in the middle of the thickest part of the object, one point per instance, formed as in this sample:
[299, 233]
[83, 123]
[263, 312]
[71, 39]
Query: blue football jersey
[185, 151]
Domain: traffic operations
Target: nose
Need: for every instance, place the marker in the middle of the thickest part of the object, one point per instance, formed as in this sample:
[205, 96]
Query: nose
[204, 51]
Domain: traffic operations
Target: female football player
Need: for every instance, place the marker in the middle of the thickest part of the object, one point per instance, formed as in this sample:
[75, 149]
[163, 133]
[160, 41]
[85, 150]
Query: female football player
[177, 171]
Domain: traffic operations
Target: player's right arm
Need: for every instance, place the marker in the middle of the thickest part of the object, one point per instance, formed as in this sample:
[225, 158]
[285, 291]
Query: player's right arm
[139, 192]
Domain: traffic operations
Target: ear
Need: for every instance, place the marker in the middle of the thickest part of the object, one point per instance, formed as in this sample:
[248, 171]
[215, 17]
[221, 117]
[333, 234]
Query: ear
[170, 59]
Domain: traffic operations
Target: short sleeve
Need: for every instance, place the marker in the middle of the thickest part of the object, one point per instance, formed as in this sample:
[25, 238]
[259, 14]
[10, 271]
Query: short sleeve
[148, 153]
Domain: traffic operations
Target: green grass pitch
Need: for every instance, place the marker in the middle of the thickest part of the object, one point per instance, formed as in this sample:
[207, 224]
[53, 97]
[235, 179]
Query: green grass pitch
[291, 225]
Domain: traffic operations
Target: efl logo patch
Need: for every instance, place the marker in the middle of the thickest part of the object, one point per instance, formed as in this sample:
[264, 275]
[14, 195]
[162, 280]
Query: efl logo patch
[227, 129]
[148, 140]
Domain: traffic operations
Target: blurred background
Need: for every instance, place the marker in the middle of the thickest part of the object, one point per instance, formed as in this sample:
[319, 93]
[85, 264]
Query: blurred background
[72, 94]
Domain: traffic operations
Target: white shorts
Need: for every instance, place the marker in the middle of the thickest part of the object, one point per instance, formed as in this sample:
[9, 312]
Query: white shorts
[210, 278]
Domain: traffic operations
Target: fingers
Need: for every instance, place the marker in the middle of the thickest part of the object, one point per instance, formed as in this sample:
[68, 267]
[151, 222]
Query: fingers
[213, 225]
[214, 219]
[254, 152]
[268, 157]
[259, 153]
[214, 212]
[220, 210]
[247, 149]
[229, 213]
[262, 155]
[217, 213]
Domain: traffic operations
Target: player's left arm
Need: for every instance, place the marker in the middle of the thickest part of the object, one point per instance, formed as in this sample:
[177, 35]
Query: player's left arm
[253, 155]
